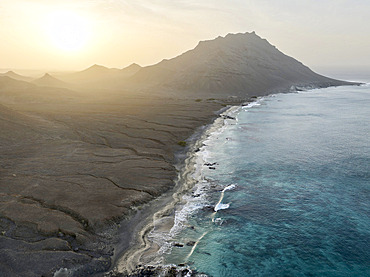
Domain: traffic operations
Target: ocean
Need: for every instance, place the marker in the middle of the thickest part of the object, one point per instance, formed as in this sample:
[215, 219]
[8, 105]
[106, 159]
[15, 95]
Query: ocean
[281, 187]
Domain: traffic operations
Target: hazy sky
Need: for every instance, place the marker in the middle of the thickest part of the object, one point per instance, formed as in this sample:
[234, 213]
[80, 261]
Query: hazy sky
[37, 33]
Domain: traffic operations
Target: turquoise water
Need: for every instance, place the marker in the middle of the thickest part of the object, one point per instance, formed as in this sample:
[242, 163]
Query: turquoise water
[296, 168]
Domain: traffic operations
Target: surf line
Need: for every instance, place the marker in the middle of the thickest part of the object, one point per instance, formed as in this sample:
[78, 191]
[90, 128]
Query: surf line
[219, 205]
[195, 245]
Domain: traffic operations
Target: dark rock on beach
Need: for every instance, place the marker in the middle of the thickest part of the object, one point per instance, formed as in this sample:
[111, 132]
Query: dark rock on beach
[177, 244]
[228, 117]
[208, 208]
[190, 243]
[210, 164]
[167, 271]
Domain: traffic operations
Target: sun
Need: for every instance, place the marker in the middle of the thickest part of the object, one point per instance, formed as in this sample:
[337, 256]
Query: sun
[68, 31]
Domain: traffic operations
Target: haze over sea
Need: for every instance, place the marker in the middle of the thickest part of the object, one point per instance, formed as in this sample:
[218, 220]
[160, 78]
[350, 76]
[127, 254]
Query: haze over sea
[289, 192]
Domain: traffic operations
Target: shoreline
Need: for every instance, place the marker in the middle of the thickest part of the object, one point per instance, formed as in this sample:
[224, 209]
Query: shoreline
[128, 259]
[218, 252]
[89, 167]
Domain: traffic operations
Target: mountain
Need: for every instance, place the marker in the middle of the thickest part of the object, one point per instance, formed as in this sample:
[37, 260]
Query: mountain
[49, 81]
[98, 76]
[241, 65]
[237, 64]
[16, 76]
[130, 70]
[91, 74]
[8, 83]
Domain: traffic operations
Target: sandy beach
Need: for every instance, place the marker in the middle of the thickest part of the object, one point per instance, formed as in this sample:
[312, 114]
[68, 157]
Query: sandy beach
[160, 214]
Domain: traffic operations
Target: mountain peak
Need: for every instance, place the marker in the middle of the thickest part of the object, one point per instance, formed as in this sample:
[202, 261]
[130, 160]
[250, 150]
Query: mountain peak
[236, 39]
[12, 74]
[134, 65]
[48, 77]
[16, 76]
[246, 34]
[96, 67]
[130, 70]
[49, 81]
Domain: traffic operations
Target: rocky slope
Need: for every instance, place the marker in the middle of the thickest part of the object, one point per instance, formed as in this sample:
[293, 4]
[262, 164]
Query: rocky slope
[235, 65]
[240, 65]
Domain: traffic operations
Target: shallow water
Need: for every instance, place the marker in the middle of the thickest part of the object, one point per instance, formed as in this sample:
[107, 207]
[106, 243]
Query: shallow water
[296, 172]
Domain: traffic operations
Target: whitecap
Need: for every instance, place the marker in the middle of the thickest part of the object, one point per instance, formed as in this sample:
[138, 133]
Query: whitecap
[221, 206]
[253, 104]
[230, 187]
[63, 272]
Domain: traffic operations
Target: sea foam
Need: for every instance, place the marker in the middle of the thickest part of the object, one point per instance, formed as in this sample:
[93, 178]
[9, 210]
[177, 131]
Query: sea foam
[196, 197]
[220, 205]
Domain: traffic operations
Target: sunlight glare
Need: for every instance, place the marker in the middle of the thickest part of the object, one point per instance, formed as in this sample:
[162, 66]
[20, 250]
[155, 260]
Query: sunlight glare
[68, 31]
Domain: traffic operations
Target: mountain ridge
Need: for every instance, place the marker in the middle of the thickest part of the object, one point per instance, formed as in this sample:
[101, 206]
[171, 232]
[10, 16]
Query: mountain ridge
[100, 76]
[240, 64]
[16, 76]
